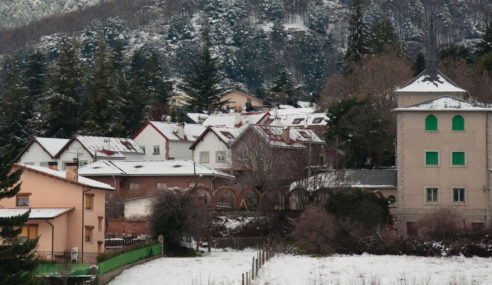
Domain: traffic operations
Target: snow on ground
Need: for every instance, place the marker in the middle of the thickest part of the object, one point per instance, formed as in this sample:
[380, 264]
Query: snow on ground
[217, 268]
[372, 269]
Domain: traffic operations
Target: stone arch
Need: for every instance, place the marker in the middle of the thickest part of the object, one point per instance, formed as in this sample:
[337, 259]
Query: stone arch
[273, 199]
[225, 197]
[298, 199]
[202, 193]
[251, 196]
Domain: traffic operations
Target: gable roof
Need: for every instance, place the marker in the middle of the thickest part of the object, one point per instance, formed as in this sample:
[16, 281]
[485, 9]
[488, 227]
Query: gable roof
[149, 168]
[349, 178]
[105, 146]
[170, 131]
[446, 103]
[299, 120]
[62, 175]
[229, 119]
[273, 136]
[224, 134]
[49, 145]
[36, 213]
[241, 93]
[421, 83]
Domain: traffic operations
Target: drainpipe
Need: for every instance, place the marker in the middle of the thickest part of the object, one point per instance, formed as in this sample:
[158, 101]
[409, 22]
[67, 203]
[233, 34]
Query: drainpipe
[82, 226]
[52, 240]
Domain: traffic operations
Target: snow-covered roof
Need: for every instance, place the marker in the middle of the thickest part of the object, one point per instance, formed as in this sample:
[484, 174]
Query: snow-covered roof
[172, 131]
[149, 168]
[198, 118]
[225, 134]
[446, 103]
[299, 120]
[231, 119]
[350, 178]
[62, 174]
[293, 111]
[36, 213]
[298, 137]
[421, 83]
[51, 145]
[109, 146]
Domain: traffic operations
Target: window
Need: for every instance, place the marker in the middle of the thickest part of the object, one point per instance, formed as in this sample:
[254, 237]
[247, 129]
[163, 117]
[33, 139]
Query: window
[160, 185]
[204, 157]
[100, 223]
[89, 201]
[227, 135]
[431, 158]
[317, 120]
[143, 148]
[459, 195]
[88, 233]
[134, 186]
[22, 199]
[192, 184]
[431, 195]
[297, 121]
[431, 123]
[458, 158]
[99, 246]
[304, 134]
[458, 123]
[28, 232]
[157, 150]
[220, 156]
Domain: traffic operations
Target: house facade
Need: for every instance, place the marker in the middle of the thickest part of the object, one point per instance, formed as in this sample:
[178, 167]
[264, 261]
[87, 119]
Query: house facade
[443, 153]
[67, 211]
[238, 100]
[167, 141]
[41, 151]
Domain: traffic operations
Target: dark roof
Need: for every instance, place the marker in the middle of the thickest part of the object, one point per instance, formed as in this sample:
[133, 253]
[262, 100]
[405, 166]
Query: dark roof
[374, 177]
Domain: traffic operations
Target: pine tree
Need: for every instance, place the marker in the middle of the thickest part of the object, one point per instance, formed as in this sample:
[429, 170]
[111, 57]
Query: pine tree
[485, 45]
[356, 45]
[382, 38]
[202, 85]
[16, 108]
[283, 90]
[34, 76]
[17, 259]
[62, 107]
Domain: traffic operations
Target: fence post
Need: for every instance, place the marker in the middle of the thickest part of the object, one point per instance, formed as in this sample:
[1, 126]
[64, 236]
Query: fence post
[256, 271]
[242, 278]
[253, 270]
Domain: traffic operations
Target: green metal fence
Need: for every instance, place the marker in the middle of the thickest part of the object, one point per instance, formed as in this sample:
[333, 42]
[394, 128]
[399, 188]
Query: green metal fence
[48, 270]
[128, 257]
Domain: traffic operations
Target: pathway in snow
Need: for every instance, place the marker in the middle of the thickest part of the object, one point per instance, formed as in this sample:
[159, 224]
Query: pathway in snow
[372, 269]
[217, 268]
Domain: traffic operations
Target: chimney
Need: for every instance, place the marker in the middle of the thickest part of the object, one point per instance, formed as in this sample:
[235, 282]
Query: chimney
[72, 170]
[53, 165]
[181, 131]
[237, 120]
[107, 144]
[286, 135]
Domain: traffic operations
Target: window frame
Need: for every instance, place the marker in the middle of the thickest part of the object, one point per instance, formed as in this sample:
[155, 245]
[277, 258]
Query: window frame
[217, 156]
[437, 194]
[426, 123]
[465, 198]
[438, 158]
[28, 228]
[158, 184]
[156, 150]
[100, 223]
[202, 160]
[90, 230]
[458, 116]
[452, 158]
[318, 120]
[23, 197]
[89, 197]
[131, 186]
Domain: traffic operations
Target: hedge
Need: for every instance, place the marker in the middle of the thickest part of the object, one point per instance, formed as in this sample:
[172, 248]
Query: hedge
[129, 257]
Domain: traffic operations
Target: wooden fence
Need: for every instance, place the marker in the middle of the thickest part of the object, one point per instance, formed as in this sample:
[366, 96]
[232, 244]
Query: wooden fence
[262, 256]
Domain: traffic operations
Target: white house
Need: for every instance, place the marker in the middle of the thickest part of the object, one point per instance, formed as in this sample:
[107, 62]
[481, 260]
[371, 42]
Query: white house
[167, 141]
[88, 149]
[212, 148]
[41, 151]
[236, 119]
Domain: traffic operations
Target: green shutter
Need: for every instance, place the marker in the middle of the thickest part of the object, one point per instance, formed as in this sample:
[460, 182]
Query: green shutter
[458, 123]
[431, 158]
[431, 123]
[458, 158]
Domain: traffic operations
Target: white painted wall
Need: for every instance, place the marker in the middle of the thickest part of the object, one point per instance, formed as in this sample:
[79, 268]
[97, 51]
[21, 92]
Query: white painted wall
[35, 155]
[138, 208]
[212, 144]
[149, 137]
[74, 150]
[180, 150]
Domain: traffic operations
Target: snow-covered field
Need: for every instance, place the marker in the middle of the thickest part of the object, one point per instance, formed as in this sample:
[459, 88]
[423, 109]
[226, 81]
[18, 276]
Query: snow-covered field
[225, 268]
[375, 270]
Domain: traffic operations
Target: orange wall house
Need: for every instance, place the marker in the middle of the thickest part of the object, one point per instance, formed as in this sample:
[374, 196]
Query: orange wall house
[238, 100]
[67, 211]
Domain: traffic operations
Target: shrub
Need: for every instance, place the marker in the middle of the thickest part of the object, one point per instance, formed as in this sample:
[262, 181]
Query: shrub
[441, 224]
[314, 230]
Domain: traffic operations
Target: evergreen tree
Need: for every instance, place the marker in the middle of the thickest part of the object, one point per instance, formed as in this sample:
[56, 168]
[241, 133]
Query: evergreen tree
[16, 108]
[419, 64]
[283, 90]
[17, 259]
[202, 85]
[357, 45]
[62, 107]
[382, 38]
[485, 45]
[35, 75]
